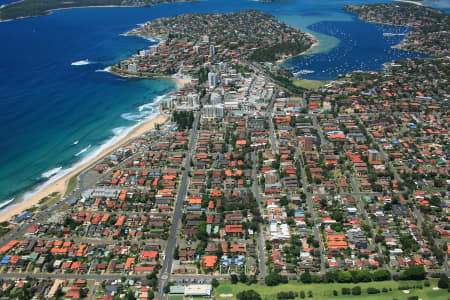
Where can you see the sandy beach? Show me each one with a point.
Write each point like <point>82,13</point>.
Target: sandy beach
<point>60,185</point>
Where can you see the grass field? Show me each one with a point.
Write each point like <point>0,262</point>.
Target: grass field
<point>72,184</point>
<point>309,84</point>
<point>295,100</point>
<point>177,297</point>
<point>325,290</point>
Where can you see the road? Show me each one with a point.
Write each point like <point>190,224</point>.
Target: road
<point>417,213</point>
<point>178,212</point>
<point>310,203</point>
<point>261,239</point>
<point>368,222</point>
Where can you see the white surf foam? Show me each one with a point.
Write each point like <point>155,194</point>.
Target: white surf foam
<point>134,116</point>
<point>51,172</point>
<point>119,133</point>
<point>6,203</point>
<point>83,150</point>
<point>148,106</point>
<point>118,130</point>
<point>82,62</point>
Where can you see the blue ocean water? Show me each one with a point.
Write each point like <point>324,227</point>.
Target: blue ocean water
<point>54,113</point>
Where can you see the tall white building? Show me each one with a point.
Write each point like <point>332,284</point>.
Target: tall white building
<point>132,68</point>
<point>193,99</point>
<point>212,79</point>
<point>213,111</point>
<point>212,50</point>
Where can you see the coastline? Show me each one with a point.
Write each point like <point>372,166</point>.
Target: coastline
<point>315,44</point>
<point>50,11</point>
<point>60,184</point>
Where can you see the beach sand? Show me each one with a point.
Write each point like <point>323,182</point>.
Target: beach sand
<point>181,82</point>
<point>60,185</point>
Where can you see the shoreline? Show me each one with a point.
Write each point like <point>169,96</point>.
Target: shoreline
<point>59,185</point>
<point>315,44</point>
<point>50,11</point>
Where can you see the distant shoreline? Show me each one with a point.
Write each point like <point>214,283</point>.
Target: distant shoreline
<point>50,11</point>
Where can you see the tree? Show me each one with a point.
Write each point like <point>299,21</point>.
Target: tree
<point>414,273</point>
<point>215,283</point>
<point>248,295</point>
<point>306,277</point>
<point>272,279</point>
<point>150,294</point>
<point>130,296</point>
<point>167,287</point>
<point>243,277</point>
<point>381,275</point>
<point>362,276</point>
<point>234,279</point>
<point>356,290</point>
<point>344,277</point>
<point>443,282</point>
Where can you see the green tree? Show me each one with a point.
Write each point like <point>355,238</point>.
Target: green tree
<point>234,279</point>
<point>381,275</point>
<point>356,290</point>
<point>344,277</point>
<point>130,296</point>
<point>248,295</point>
<point>215,283</point>
<point>306,277</point>
<point>443,282</point>
<point>414,273</point>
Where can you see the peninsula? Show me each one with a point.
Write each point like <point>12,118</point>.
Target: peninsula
<point>34,8</point>
<point>430,32</point>
<point>188,42</point>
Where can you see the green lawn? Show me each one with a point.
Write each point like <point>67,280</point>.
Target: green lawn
<point>325,290</point>
<point>295,100</point>
<point>72,184</point>
<point>177,297</point>
<point>309,84</point>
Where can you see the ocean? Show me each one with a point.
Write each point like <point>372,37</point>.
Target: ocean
<point>58,105</point>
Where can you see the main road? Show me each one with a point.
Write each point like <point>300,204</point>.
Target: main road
<point>178,212</point>
<point>261,240</point>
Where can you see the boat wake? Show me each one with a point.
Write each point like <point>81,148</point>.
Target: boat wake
<point>82,62</point>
